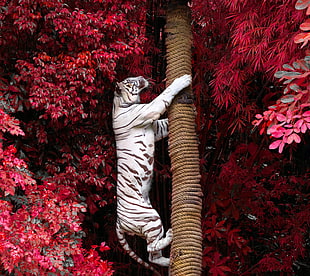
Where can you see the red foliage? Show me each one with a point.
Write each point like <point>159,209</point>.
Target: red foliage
<point>40,224</point>
<point>262,209</point>
<point>256,204</point>
<point>58,62</point>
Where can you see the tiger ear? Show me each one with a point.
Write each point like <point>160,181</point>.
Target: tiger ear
<point>118,88</point>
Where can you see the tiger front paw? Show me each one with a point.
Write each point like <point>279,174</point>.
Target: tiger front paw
<point>182,82</point>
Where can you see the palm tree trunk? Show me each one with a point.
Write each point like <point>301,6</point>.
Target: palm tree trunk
<point>186,247</point>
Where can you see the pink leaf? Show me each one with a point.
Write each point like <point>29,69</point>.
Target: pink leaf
<point>275,144</point>
<point>275,128</point>
<point>293,137</point>
<point>281,117</point>
<point>297,138</point>
<point>299,123</point>
<point>277,134</point>
<point>307,113</point>
<point>303,128</point>
<point>258,116</point>
<point>288,132</point>
<point>281,147</point>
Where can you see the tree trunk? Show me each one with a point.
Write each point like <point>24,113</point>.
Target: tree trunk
<point>186,247</point>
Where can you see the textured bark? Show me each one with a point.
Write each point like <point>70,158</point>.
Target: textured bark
<point>186,247</point>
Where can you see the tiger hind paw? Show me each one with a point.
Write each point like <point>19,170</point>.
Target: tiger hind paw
<point>157,258</point>
<point>169,235</point>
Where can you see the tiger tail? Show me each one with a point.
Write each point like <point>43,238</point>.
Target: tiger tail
<point>122,240</point>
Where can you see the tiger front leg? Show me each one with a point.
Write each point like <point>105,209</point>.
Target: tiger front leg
<point>180,83</point>
<point>153,110</point>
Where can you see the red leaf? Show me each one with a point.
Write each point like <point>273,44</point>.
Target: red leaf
<point>305,26</point>
<point>103,247</point>
<point>302,38</point>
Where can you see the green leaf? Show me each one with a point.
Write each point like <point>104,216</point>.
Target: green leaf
<point>295,87</point>
<point>302,4</point>
<point>287,99</point>
<point>289,67</point>
<point>282,74</point>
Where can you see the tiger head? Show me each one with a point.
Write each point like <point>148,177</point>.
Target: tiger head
<point>130,88</point>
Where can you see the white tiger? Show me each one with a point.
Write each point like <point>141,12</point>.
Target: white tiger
<point>136,128</point>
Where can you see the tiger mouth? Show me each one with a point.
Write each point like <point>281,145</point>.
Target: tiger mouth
<point>143,84</point>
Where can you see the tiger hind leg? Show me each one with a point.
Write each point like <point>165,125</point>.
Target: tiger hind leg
<point>159,243</point>
<point>154,248</point>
